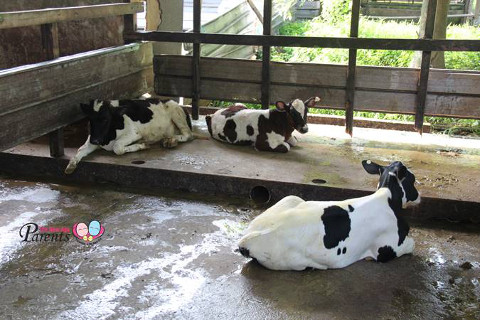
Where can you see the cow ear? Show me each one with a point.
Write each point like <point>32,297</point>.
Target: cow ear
<point>280,105</point>
<point>311,102</point>
<point>371,167</point>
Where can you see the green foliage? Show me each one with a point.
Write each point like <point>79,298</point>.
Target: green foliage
<point>336,26</point>
<point>371,29</point>
<point>334,11</point>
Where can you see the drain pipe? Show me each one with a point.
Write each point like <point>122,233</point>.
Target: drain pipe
<point>260,195</point>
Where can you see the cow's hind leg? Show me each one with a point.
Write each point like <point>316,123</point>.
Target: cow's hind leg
<point>179,118</point>
<point>83,151</point>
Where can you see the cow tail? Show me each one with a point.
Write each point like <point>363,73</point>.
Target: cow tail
<point>189,120</point>
<point>209,124</point>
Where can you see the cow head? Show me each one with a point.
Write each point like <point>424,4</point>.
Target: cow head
<point>398,179</point>
<point>298,110</point>
<point>100,116</point>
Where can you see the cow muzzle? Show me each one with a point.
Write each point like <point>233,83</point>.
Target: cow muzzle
<point>303,129</point>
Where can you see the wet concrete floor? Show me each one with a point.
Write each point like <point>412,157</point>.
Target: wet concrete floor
<point>171,256</point>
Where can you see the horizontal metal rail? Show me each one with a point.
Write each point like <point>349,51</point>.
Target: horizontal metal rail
<point>312,42</point>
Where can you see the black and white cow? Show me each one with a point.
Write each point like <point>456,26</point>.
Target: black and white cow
<point>267,130</point>
<point>295,234</point>
<point>130,125</point>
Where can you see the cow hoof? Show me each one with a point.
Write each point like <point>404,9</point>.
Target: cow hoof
<point>70,168</point>
<point>170,143</point>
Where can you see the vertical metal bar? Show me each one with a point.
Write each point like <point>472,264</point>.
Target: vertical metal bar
<point>351,71</point>
<point>267,30</point>
<point>197,10</point>
<point>425,68</point>
<point>51,51</point>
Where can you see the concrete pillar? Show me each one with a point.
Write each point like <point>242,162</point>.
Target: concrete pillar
<point>165,15</point>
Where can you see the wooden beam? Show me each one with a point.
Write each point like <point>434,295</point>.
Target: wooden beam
<point>310,42</point>
<point>425,67</point>
<point>51,51</point>
<point>44,16</point>
<point>378,89</point>
<point>56,88</point>
<point>352,66</point>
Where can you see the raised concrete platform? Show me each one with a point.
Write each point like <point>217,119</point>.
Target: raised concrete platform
<point>447,169</point>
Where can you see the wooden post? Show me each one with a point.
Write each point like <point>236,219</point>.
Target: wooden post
<point>267,30</point>
<point>129,23</point>
<point>352,65</point>
<point>51,51</point>
<point>422,86</point>
<point>197,11</point>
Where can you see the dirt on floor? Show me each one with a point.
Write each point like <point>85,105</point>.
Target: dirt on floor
<point>171,256</point>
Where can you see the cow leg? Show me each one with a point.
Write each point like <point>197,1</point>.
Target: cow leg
<point>83,151</point>
<point>180,121</point>
<point>124,144</point>
<point>265,146</point>
<point>388,250</point>
<point>292,141</point>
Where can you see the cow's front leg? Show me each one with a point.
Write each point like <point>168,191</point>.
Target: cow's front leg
<point>124,144</point>
<point>273,142</point>
<point>389,250</point>
<point>83,151</point>
<point>292,141</point>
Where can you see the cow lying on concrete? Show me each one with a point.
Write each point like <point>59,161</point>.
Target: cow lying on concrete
<point>130,125</point>
<point>267,130</point>
<point>295,234</point>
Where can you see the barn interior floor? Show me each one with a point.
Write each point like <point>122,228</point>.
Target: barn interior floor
<point>325,165</point>
<point>171,256</point>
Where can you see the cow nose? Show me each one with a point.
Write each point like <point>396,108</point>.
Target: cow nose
<point>304,129</point>
<point>95,141</point>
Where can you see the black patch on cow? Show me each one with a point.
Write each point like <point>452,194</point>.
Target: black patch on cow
<point>245,252</point>
<point>337,226</point>
<point>408,185</point>
<point>339,251</point>
<point>344,250</point>
<point>277,122</point>
<point>229,130</point>
<point>208,119</point>
<point>350,208</point>
<point>403,229</point>
<point>250,130</point>
<point>137,110</point>
<point>233,110</point>
<point>187,117</point>
<point>297,118</point>
<point>385,254</point>
<point>221,136</point>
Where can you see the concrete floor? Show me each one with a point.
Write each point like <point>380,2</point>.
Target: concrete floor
<point>171,256</point>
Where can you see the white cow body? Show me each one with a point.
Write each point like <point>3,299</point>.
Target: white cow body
<point>295,234</point>
<point>132,125</point>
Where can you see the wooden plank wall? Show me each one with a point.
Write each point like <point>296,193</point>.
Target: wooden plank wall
<point>378,89</point>
<point>43,97</point>
<point>20,46</point>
